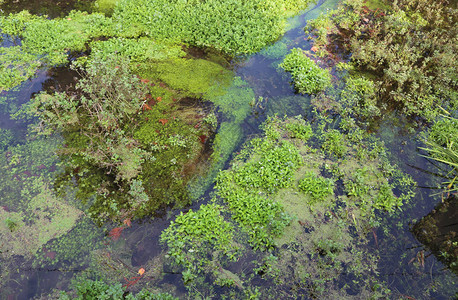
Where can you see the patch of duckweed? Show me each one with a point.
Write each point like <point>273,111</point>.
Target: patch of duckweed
<point>71,249</point>
<point>23,170</point>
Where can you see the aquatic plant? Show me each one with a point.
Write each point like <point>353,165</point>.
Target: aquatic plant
<point>442,145</point>
<point>264,194</point>
<point>105,6</point>
<point>317,187</point>
<point>233,26</point>
<point>275,51</point>
<point>6,137</point>
<point>389,45</point>
<point>111,98</point>
<point>84,288</point>
<point>36,49</point>
<point>136,49</point>
<point>307,76</point>
<point>200,240</point>
<point>192,77</point>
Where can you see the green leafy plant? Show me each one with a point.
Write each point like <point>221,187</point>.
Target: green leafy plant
<point>333,143</point>
<point>196,236</point>
<point>299,129</point>
<point>442,145</point>
<point>84,288</point>
<point>233,26</point>
<point>307,76</point>
<point>317,187</point>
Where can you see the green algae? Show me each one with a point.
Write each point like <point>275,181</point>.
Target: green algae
<point>234,103</point>
<point>194,77</point>
<point>44,219</point>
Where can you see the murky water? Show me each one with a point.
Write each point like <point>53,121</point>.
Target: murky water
<point>139,245</point>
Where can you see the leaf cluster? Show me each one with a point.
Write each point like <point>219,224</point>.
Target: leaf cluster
<point>233,26</point>
<point>97,289</point>
<point>316,186</point>
<point>197,237</point>
<point>307,76</point>
<point>442,145</point>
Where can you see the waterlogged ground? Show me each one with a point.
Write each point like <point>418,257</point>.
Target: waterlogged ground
<point>48,240</point>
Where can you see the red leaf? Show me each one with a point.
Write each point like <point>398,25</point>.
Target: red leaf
<point>163,121</point>
<point>203,138</point>
<point>146,107</point>
<point>115,233</point>
<point>127,222</point>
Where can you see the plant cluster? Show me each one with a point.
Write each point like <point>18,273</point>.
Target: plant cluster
<point>269,207</point>
<point>299,129</point>
<point>149,29</point>
<point>307,76</point>
<point>246,189</point>
<point>442,145</point>
<point>317,187</point>
<point>199,239</point>
<point>110,99</point>
<point>233,26</point>
<point>333,143</point>
<point>72,33</point>
<point>98,289</point>
<point>119,139</point>
<point>410,47</point>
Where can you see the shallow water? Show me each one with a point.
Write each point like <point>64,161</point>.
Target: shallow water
<point>139,243</point>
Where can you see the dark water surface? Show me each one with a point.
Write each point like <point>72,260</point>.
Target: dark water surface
<point>399,248</point>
